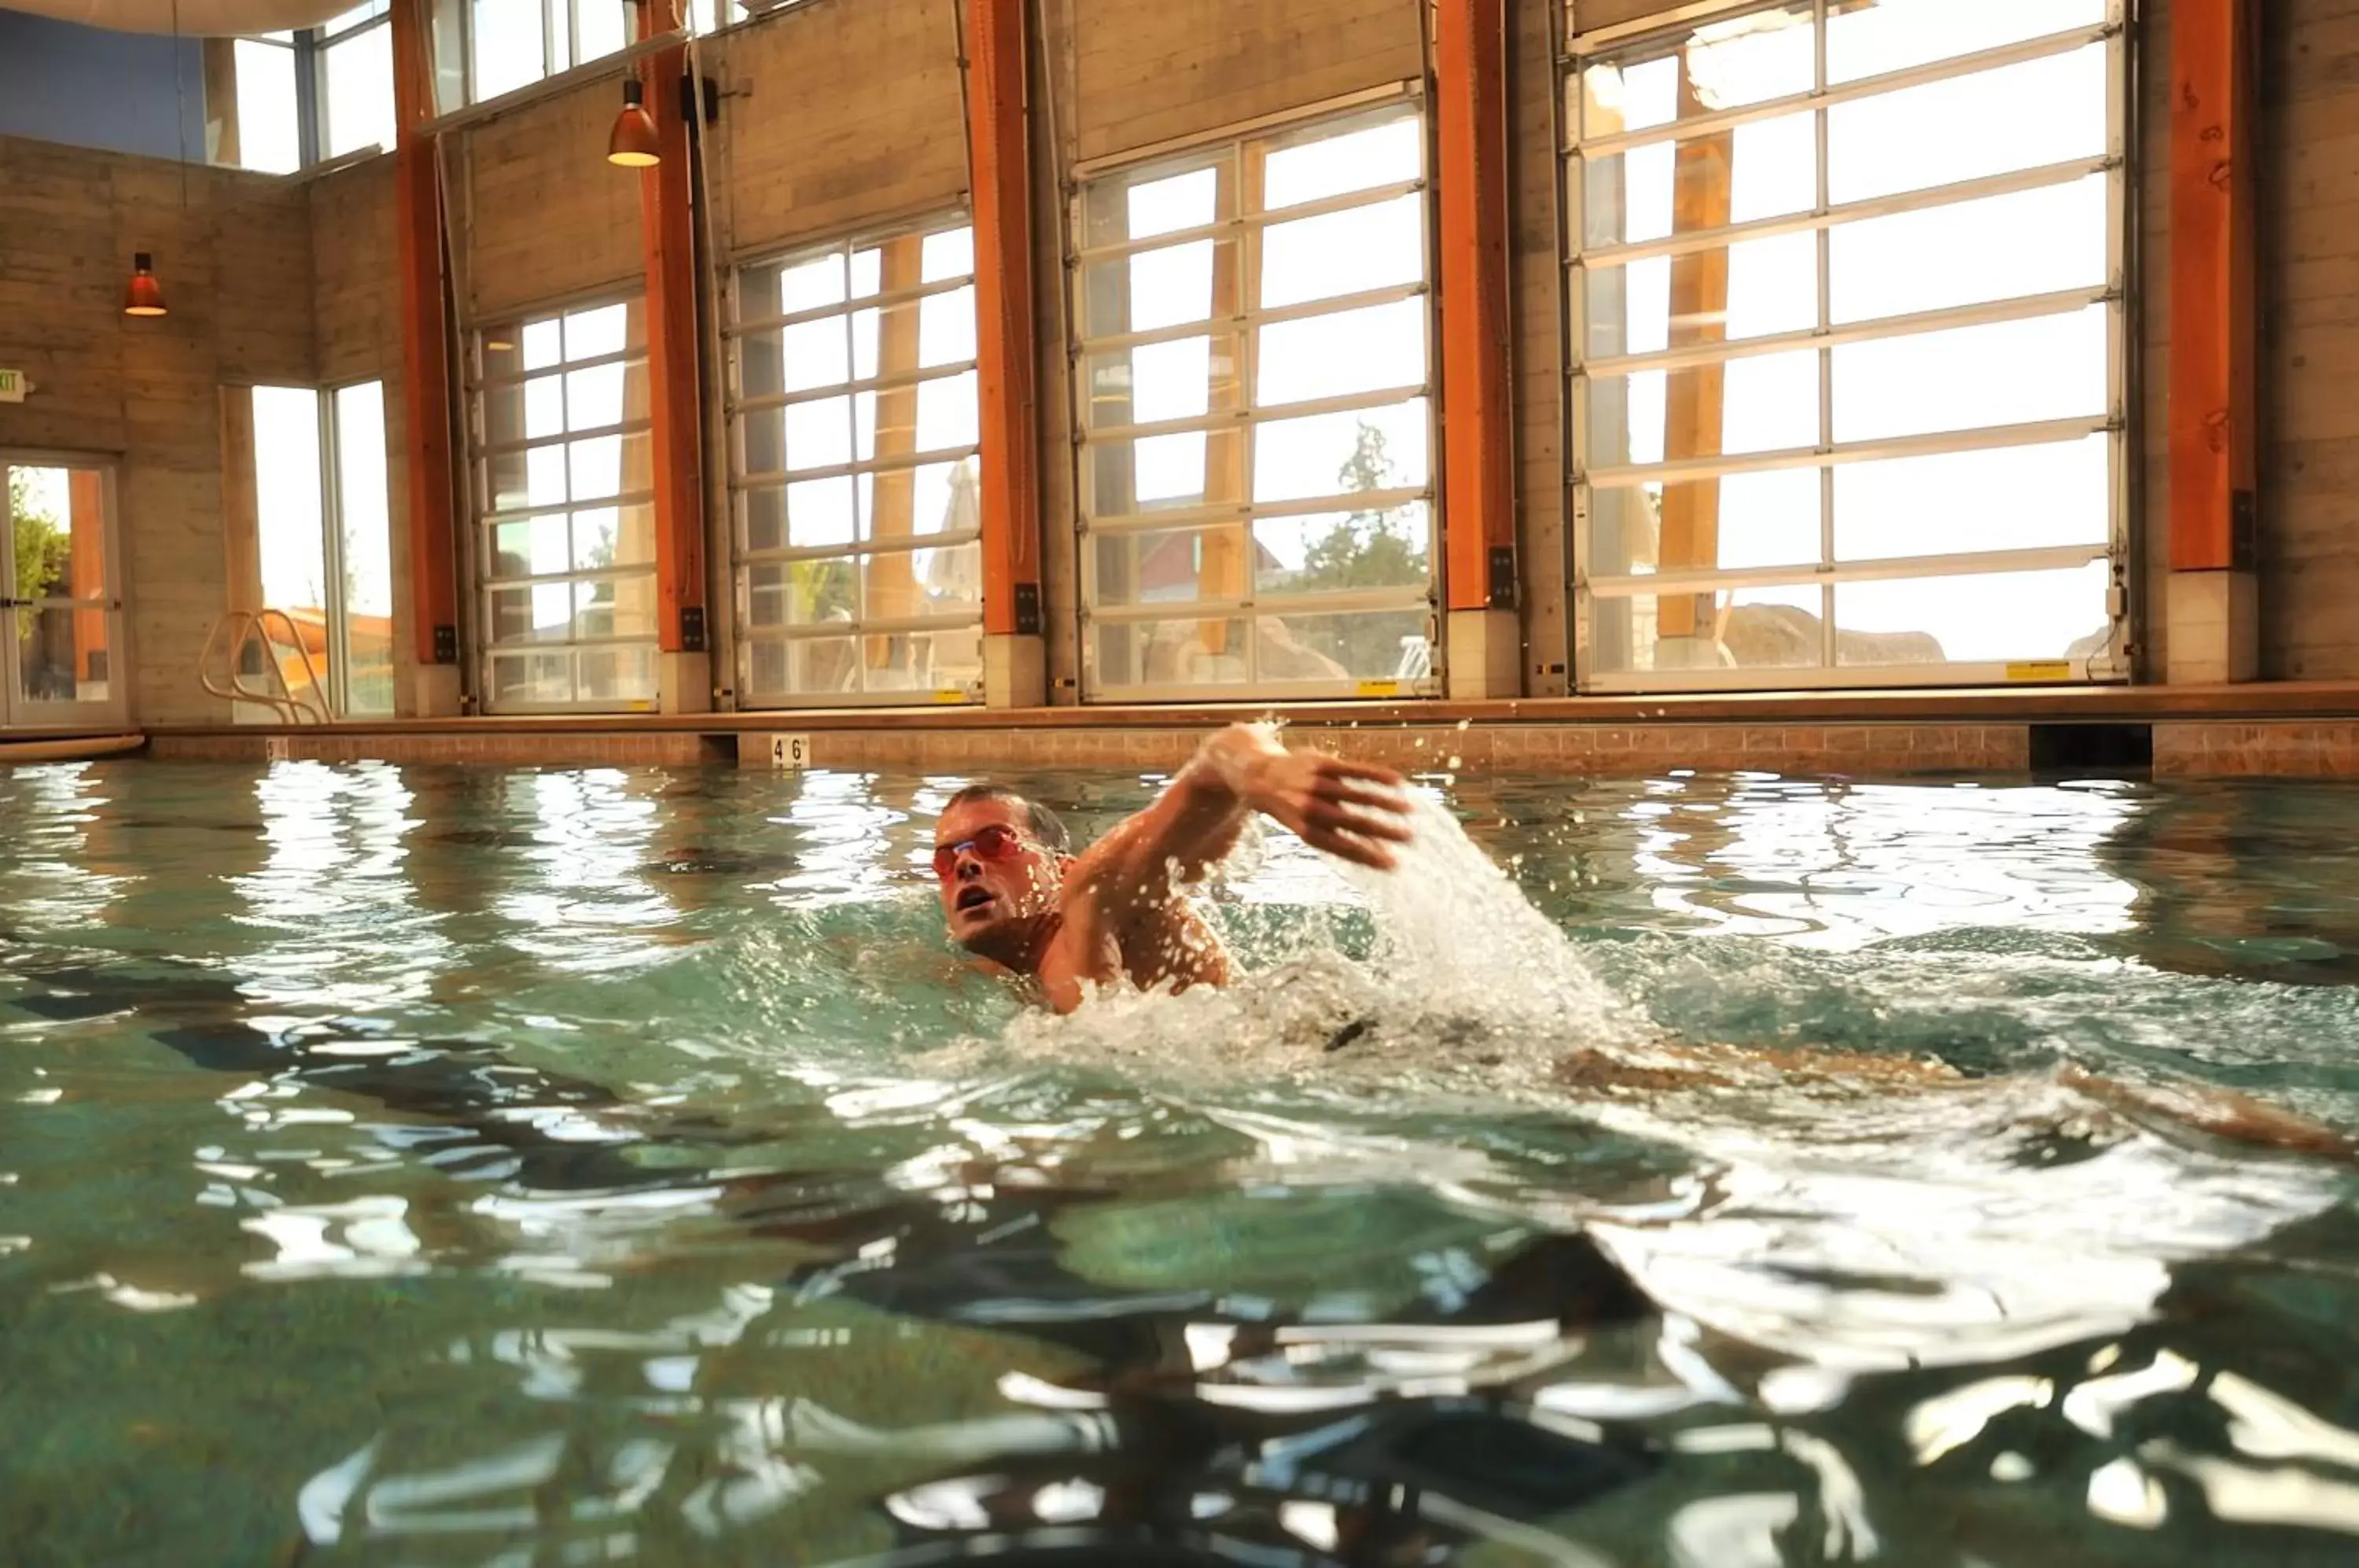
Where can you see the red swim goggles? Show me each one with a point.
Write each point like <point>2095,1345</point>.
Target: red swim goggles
<point>992,841</point>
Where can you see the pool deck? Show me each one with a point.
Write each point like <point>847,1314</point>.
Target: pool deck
<point>2291,729</point>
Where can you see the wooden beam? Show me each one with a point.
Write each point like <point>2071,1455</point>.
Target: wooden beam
<point>2212,453</point>
<point>425,340</point>
<point>220,60</point>
<point>891,589</point>
<point>1220,567</point>
<point>998,144</point>
<point>1694,401</point>
<point>1478,501</point>
<point>676,430</point>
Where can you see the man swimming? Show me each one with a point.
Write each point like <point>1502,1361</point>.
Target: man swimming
<point>1014,894</point>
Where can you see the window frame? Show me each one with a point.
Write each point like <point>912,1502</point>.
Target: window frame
<point>1243,326</point>
<point>316,43</point>
<point>472,91</point>
<point>336,684</point>
<point>307,100</point>
<point>2112,293</point>
<point>742,480</point>
<point>311,46</point>
<point>332,518</point>
<point>484,520</point>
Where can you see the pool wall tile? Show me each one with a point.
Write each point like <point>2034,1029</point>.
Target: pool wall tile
<point>2256,751</point>
<point>2307,748</point>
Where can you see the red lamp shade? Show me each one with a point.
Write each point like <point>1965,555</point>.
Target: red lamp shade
<point>146,296</point>
<point>632,143</point>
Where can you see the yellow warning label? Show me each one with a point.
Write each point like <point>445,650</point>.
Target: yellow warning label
<point>1379,689</point>
<point>2041,669</point>
<point>949,695</point>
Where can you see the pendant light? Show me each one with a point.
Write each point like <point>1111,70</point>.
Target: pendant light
<point>146,296</point>
<point>632,143</point>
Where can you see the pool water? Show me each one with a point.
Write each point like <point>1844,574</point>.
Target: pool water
<point>406,1165</point>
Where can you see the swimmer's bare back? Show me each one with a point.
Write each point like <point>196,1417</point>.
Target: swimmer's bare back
<point>1668,1067</point>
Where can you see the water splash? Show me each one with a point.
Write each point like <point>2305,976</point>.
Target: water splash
<point>1465,986</point>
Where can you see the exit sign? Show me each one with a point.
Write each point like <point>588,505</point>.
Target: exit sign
<point>12,386</point>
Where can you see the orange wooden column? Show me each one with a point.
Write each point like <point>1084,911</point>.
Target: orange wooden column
<point>1694,401</point>
<point>892,589</point>
<point>1222,572</point>
<point>676,430</point>
<point>1001,179</point>
<point>1478,517</point>
<point>426,357</point>
<point>2213,317</point>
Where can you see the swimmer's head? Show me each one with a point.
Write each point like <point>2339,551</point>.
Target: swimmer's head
<point>1000,860</point>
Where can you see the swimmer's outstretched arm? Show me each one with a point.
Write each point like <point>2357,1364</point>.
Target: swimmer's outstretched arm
<point>1351,809</point>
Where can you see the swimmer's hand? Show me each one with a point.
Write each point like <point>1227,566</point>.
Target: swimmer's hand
<point>1351,809</point>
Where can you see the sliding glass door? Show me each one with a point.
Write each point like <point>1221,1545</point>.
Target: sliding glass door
<point>60,655</point>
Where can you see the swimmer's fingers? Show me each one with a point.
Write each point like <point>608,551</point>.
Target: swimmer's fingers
<point>1343,846</point>
<point>1354,793</point>
<point>1356,836</point>
<point>1365,824</point>
<point>1369,772</point>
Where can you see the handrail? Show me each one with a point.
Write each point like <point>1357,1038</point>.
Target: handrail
<point>253,626</point>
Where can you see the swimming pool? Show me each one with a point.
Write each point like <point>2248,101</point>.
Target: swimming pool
<point>434,1165</point>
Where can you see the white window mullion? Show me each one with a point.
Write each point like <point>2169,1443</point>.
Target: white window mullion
<point>1823,247</point>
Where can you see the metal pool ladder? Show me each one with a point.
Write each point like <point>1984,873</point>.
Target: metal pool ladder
<point>240,629</point>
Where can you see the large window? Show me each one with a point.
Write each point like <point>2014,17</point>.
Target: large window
<point>853,468</point>
<point>1845,303</point>
<point>271,135</point>
<point>304,97</point>
<point>565,514</point>
<point>1257,509</point>
<point>511,44</point>
<point>353,59</point>
<point>324,533</point>
<point>514,43</point>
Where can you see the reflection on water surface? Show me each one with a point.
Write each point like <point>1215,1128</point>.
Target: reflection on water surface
<point>419,1165</point>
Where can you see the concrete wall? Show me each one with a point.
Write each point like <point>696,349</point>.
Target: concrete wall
<point>839,116</point>
<point>136,93</point>
<point>2308,257</point>
<point>1543,511</point>
<point>236,264</point>
<point>1146,72</point>
<point>2310,340</point>
<point>542,215</point>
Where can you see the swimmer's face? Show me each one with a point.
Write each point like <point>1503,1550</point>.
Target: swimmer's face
<point>998,877</point>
